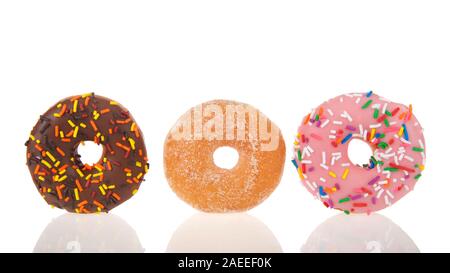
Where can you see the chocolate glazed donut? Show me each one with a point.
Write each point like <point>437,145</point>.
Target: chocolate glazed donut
<point>55,165</point>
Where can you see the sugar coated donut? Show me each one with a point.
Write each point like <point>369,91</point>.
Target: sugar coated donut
<point>322,161</point>
<point>189,164</point>
<point>55,165</point>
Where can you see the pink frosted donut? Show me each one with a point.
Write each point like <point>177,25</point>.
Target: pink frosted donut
<point>391,130</point>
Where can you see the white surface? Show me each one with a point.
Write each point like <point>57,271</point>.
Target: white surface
<point>226,157</point>
<point>159,58</point>
<point>359,152</point>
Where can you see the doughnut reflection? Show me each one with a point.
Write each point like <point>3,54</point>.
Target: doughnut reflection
<point>359,234</point>
<point>226,233</point>
<point>88,233</point>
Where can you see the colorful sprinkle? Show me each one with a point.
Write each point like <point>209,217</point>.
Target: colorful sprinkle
<point>392,168</point>
<point>367,104</point>
<point>374,180</point>
<point>347,138</point>
<point>345,174</point>
<point>376,113</point>
<point>405,132</point>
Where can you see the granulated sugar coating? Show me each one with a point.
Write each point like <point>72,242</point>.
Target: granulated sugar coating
<point>189,149</point>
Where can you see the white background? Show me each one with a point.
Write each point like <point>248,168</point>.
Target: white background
<point>159,58</point>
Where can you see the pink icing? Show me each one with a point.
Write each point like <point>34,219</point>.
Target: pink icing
<point>326,170</point>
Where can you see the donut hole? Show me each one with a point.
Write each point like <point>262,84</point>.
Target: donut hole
<point>89,152</point>
<point>359,152</point>
<point>226,157</point>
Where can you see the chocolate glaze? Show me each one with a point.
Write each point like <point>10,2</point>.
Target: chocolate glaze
<point>55,165</point>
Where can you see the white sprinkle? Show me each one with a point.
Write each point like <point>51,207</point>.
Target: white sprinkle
<point>337,122</point>
<point>409,158</point>
<point>347,116</point>
<point>305,151</point>
<point>374,126</point>
<point>325,123</point>
<point>386,200</point>
<point>421,144</point>
<point>396,160</point>
<point>390,194</point>
<point>306,162</point>
<point>358,100</point>
<point>313,111</point>
<point>380,193</point>
<point>386,156</point>
<point>405,141</point>
<point>324,166</point>
<point>384,108</point>
<point>309,185</point>
<point>324,158</point>
<point>322,180</point>
<point>330,112</point>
